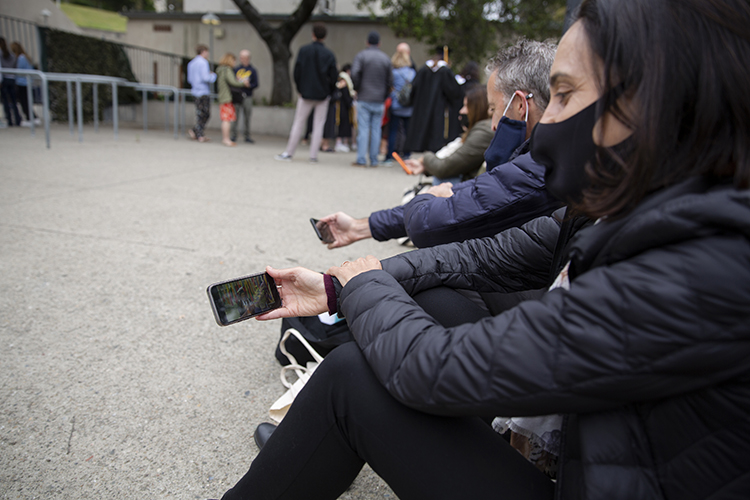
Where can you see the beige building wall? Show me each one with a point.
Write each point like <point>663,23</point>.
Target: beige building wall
<point>328,7</point>
<point>345,38</point>
<point>31,10</point>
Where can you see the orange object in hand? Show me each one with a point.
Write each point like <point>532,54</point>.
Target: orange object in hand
<point>397,157</point>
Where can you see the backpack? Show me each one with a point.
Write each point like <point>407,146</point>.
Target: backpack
<point>404,95</point>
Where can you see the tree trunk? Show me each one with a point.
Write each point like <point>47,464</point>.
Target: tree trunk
<point>278,40</point>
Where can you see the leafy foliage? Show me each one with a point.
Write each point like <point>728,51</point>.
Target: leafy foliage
<point>278,39</point>
<point>472,28</point>
<point>70,53</point>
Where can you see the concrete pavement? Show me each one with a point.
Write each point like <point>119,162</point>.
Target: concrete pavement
<point>115,381</point>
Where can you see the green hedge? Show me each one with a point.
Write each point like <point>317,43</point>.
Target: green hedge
<point>70,53</point>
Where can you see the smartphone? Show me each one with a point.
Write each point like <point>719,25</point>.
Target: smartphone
<point>243,298</point>
<point>322,230</point>
<point>400,161</point>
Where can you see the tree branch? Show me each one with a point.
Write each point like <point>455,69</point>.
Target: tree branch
<point>299,17</point>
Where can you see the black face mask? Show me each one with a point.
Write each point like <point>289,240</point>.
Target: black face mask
<point>463,119</point>
<point>565,148</point>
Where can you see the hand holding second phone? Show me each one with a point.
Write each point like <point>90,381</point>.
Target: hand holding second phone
<point>302,293</point>
<point>444,190</point>
<point>348,270</point>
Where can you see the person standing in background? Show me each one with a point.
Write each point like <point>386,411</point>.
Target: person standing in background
<point>372,77</point>
<point>403,73</point>
<point>315,77</point>
<point>346,109</point>
<point>244,95</point>
<point>8,86</point>
<point>435,91</point>
<point>22,62</point>
<point>199,76</point>
<point>225,81</point>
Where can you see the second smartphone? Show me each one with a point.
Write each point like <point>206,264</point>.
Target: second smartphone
<point>322,231</point>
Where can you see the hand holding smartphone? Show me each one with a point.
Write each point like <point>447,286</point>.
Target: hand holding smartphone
<point>243,298</point>
<point>322,231</point>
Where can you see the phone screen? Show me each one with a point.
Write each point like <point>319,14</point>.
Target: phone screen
<point>322,230</point>
<point>243,298</point>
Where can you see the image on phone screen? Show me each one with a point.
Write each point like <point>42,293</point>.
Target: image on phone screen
<point>322,231</point>
<point>243,298</point>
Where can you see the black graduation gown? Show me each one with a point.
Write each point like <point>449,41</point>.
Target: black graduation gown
<point>432,93</point>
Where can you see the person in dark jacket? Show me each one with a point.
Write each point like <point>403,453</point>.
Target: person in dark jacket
<point>643,345</point>
<point>510,193</point>
<point>243,97</point>
<point>315,76</point>
<point>434,91</point>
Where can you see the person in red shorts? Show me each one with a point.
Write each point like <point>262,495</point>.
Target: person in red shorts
<point>224,78</point>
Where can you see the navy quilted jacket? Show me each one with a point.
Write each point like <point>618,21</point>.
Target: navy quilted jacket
<point>507,196</point>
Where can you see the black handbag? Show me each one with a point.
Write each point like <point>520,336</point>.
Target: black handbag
<point>322,337</point>
<point>237,95</point>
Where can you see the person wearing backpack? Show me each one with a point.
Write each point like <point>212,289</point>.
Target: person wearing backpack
<point>401,108</point>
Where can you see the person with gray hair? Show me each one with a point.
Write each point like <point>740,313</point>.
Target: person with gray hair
<point>509,194</point>
<point>242,98</point>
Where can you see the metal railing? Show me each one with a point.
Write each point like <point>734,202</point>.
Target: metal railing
<point>71,79</point>
<point>149,66</point>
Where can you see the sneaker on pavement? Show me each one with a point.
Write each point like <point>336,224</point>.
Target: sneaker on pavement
<point>249,140</point>
<point>283,157</point>
<point>313,160</point>
<point>342,148</point>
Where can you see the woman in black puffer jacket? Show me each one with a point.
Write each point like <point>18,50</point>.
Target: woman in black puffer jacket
<point>644,342</point>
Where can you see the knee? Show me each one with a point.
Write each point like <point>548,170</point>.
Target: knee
<point>346,362</point>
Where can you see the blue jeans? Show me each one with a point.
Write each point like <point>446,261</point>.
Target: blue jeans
<point>369,118</point>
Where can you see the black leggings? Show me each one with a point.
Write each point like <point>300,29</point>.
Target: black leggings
<point>345,417</point>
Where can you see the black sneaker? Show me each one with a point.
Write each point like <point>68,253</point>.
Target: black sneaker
<point>249,140</point>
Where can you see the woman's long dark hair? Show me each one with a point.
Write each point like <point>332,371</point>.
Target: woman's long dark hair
<point>4,47</point>
<point>685,65</point>
<point>477,105</point>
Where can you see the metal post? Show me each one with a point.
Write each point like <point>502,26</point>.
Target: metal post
<point>210,46</point>
<point>145,111</point>
<point>79,104</point>
<point>30,100</point>
<point>166,112</point>
<point>45,107</point>
<point>182,113</point>
<point>175,103</point>
<point>115,108</point>
<point>96,106</point>
<point>69,87</point>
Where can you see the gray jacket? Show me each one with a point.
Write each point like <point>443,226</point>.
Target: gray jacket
<point>372,75</point>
